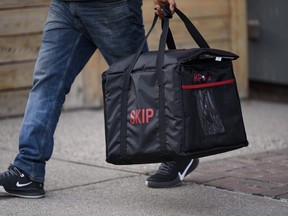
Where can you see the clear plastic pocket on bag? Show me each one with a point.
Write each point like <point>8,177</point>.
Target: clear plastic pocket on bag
<point>209,116</point>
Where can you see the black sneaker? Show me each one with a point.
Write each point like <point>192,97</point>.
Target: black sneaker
<point>171,174</point>
<point>16,183</point>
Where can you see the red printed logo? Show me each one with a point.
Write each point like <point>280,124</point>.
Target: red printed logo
<point>141,116</point>
<point>200,78</point>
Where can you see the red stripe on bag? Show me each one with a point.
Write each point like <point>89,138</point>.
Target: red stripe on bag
<point>208,84</point>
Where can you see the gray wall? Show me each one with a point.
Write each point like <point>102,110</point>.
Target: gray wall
<point>268,53</point>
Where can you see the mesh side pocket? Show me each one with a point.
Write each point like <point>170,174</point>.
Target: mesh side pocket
<point>208,114</point>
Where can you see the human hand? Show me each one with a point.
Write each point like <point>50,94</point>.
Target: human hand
<point>159,5</point>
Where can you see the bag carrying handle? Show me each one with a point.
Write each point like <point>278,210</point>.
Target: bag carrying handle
<point>195,34</point>
<point>201,42</point>
<point>159,69</point>
<point>189,26</point>
<point>166,36</point>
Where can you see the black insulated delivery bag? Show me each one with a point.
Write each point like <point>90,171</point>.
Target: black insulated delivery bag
<point>167,105</point>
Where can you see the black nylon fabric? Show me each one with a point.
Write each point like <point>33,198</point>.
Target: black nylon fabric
<point>184,136</point>
<point>202,112</point>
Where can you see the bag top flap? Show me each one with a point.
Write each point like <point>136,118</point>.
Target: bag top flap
<point>148,59</point>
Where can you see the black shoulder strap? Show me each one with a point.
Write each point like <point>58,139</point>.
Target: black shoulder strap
<point>199,39</point>
<point>166,36</point>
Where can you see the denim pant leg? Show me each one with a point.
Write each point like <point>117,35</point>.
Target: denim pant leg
<point>116,28</point>
<point>63,53</point>
<point>113,26</point>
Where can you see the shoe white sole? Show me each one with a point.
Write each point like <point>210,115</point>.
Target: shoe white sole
<point>2,190</point>
<point>176,182</point>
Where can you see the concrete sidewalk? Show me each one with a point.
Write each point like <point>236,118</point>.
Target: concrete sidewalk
<point>80,182</point>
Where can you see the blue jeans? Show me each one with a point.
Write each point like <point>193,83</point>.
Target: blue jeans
<point>72,33</point>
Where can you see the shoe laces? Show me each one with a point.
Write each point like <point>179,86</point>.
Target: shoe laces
<point>12,170</point>
<point>167,167</point>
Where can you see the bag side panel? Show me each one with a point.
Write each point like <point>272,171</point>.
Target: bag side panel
<point>112,109</point>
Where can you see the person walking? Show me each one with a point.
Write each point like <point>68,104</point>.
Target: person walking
<point>74,29</point>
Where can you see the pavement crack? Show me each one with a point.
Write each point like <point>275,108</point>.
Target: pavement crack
<point>97,166</point>
<point>92,183</point>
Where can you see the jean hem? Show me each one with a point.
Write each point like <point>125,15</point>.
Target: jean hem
<point>29,172</point>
